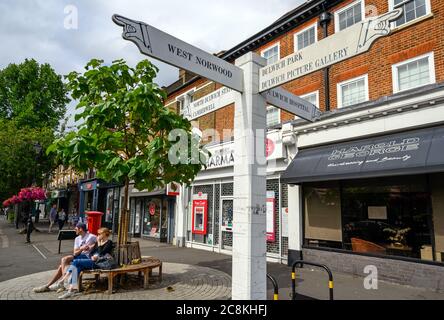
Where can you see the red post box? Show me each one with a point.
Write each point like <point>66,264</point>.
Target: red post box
<point>94,221</point>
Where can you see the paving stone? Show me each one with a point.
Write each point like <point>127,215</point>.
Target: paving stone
<point>189,282</point>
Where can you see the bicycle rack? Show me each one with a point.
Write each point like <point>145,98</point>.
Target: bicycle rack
<point>301,263</point>
<point>275,286</point>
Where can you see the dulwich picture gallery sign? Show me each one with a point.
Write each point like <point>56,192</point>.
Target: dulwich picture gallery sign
<point>343,45</point>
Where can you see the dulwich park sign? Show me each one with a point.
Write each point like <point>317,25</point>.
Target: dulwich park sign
<point>343,45</point>
<point>250,97</point>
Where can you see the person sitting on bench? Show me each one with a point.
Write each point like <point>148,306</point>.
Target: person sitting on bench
<point>101,258</point>
<point>83,245</point>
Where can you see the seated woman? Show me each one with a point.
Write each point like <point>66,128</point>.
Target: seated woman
<point>101,258</point>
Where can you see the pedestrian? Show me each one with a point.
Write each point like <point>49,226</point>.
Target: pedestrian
<point>52,216</point>
<point>84,243</point>
<point>29,228</point>
<point>61,218</point>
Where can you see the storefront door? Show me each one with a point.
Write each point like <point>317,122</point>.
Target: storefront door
<point>226,223</point>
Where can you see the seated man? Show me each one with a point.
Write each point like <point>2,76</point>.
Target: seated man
<point>84,243</point>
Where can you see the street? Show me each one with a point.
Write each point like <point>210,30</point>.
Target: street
<point>18,259</point>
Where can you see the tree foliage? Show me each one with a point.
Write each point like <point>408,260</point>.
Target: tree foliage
<point>19,163</point>
<point>33,100</point>
<point>32,94</point>
<point>124,128</point>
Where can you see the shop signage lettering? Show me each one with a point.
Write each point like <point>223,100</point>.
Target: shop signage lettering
<point>405,145</point>
<point>221,158</point>
<point>343,45</point>
<point>166,48</point>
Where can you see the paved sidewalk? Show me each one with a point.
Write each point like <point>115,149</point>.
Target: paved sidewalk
<point>21,259</point>
<point>179,282</point>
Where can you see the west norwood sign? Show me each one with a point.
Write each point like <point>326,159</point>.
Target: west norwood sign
<point>343,45</point>
<point>164,47</point>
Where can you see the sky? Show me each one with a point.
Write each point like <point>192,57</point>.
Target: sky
<point>67,34</point>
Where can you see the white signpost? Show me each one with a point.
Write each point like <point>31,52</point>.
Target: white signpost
<point>343,45</point>
<point>166,48</point>
<point>249,77</point>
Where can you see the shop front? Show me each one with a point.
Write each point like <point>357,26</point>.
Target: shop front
<point>152,215</point>
<point>379,197</point>
<point>209,206</point>
<point>97,195</point>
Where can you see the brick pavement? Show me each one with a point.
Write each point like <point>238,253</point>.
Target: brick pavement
<point>188,282</point>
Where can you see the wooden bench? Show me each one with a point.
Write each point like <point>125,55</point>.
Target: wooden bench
<point>130,261</point>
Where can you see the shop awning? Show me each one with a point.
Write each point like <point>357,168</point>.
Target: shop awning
<point>406,153</point>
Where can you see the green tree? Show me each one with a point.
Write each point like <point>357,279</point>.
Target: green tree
<point>124,132</point>
<point>33,100</point>
<point>20,166</point>
<point>32,94</point>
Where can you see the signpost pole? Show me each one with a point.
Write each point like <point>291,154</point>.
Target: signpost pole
<point>249,219</point>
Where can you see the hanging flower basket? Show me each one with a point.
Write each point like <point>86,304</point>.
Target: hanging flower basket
<point>26,194</point>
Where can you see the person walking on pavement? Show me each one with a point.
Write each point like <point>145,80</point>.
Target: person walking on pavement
<point>52,216</point>
<point>29,228</point>
<point>61,218</point>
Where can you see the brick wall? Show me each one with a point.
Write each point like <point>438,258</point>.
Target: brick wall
<point>405,43</point>
<point>396,271</point>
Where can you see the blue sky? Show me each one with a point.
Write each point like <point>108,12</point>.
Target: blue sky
<point>37,29</point>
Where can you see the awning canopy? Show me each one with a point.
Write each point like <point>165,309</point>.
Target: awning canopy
<point>406,153</point>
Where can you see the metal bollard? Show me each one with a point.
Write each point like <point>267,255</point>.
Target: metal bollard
<point>293,277</point>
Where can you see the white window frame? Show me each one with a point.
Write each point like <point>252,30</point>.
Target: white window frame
<point>432,71</point>
<point>278,45</point>
<point>337,13</point>
<point>295,37</point>
<point>428,12</point>
<point>312,93</point>
<point>339,89</point>
<point>279,115</point>
<point>309,94</point>
<point>183,97</point>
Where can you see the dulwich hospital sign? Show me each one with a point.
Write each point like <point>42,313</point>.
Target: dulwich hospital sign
<point>343,45</point>
<point>277,97</point>
<point>166,48</point>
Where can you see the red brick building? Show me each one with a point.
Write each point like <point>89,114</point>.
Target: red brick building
<point>384,108</point>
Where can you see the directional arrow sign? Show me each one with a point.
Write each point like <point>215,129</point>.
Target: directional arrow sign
<point>166,48</point>
<point>338,47</point>
<point>290,102</point>
<point>209,103</point>
<point>277,97</point>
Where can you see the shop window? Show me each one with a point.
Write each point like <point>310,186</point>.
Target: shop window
<point>350,15</point>
<point>353,91</point>
<point>271,54</point>
<point>412,10</point>
<point>414,73</point>
<point>305,37</point>
<point>390,216</point>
